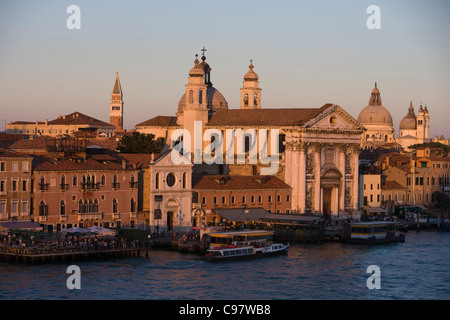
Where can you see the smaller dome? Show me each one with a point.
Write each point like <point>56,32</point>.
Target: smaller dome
<point>421,111</point>
<point>409,121</point>
<point>251,75</point>
<point>197,70</point>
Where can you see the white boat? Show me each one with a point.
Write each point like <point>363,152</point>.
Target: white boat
<point>240,251</point>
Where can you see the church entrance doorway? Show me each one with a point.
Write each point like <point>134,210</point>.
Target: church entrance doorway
<point>169,220</point>
<point>327,202</point>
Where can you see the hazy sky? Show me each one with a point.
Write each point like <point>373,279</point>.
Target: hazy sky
<point>307,53</point>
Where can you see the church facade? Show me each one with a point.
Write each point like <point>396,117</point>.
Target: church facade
<point>316,149</point>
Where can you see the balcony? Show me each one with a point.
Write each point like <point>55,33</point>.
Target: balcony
<point>43,187</point>
<point>89,186</point>
<point>133,185</point>
<point>90,216</point>
<point>116,185</point>
<point>63,187</point>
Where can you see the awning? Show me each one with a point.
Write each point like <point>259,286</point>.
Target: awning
<point>375,210</point>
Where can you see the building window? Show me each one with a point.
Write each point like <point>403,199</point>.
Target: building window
<point>170,179</point>
<point>215,200</point>
<point>132,205</point>
<point>269,199</point>
<point>74,180</point>
<point>14,185</point>
<point>80,206</point>
<point>233,201</point>
<point>259,199</point>
<point>184,180</point>
<point>103,180</point>
<point>3,185</point>
<point>223,200</point>
<point>2,206</point>
<point>14,206</point>
<point>288,198</point>
<point>24,206</point>
<point>24,185</point>
<point>252,199</point>
<point>24,166</point>
<point>157,180</point>
<point>203,200</point>
<point>62,208</point>
<point>115,205</point>
<point>2,166</point>
<point>278,198</point>
<point>243,199</point>
<point>15,166</point>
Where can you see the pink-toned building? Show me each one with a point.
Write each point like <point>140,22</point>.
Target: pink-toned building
<point>213,192</point>
<point>101,190</point>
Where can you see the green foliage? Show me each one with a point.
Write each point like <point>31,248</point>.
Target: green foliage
<point>140,143</point>
<point>445,148</point>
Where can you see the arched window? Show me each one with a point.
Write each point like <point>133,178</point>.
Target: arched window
<point>91,205</point>
<point>74,180</point>
<point>85,206</point>
<point>95,209</point>
<point>43,208</point>
<point>184,180</point>
<point>246,100</point>
<point>80,206</point>
<point>62,208</point>
<point>157,177</point>
<point>114,205</point>
<point>191,96</point>
<point>200,96</point>
<point>103,180</point>
<point>132,205</point>
<point>255,99</point>
<point>63,179</point>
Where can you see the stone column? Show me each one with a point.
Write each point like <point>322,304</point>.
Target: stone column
<point>302,178</point>
<point>316,191</point>
<point>355,173</point>
<point>294,173</point>
<point>342,180</point>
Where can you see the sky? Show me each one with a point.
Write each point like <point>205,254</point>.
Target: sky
<point>306,53</point>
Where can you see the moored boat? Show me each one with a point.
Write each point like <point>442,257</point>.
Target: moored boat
<point>238,251</point>
<point>376,232</point>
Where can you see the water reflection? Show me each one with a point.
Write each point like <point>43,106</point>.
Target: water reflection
<point>416,269</point>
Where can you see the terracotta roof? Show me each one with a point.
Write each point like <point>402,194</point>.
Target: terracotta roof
<point>265,117</point>
<point>159,121</point>
<point>223,182</point>
<point>141,160</point>
<point>12,154</point>
<point>392,185</point>
<point>49,162</point>
<point>78,118</point>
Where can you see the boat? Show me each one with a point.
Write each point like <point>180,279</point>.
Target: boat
<point>219,238</point>
<point>376,232</point>
<point>242,251</point>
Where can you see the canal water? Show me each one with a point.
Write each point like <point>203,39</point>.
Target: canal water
<point>416,269</point>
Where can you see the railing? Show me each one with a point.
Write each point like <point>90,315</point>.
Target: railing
<point>63,186</point>
<point>43,186</point>
<point>90,216</point>
<point>90,186</point>
<point>115,185</point>
<point>133,185</point>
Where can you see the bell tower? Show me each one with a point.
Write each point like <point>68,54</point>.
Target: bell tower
<point>116,104</point>
<point>250,91</point>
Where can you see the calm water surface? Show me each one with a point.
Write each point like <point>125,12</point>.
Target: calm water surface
<point>416,269</point>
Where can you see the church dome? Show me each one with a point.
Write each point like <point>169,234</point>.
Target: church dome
<point>409,121</point>
<point>375,112</point>
<point>197,70</point>
<point>215,100</point>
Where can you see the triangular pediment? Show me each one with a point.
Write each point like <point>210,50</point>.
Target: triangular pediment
<point>165,160</point>
<point>334,118</point>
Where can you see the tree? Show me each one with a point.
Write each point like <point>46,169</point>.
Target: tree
<point>140,143</point>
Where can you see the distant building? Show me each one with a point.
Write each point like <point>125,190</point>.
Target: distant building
<point>214,192</point>
<point>414,129</point>
<point>64,125</point>
<point>15,185</point>
<point>116,104</point>
<point>100,191</point>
